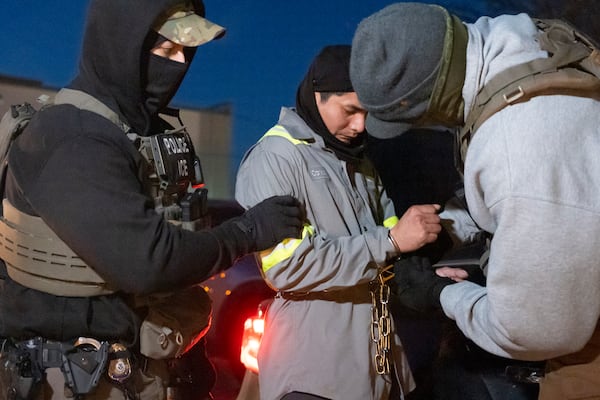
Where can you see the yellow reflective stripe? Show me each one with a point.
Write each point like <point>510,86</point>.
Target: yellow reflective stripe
<point>284,250</point>
<point>391,221</point>
<point>280,131</point>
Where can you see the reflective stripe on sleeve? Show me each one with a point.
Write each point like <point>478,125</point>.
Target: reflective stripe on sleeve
<point>280,131</point>
<point>390,222</point>
<point>284,250</point>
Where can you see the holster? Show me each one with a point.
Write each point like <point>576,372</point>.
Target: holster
<point>83,366</point>
<point>23,366</point>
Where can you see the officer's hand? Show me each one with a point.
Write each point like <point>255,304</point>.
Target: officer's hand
<point>470,272</point>
<point>418,226</point>
<point>418,286</point>
<point>274,219</point>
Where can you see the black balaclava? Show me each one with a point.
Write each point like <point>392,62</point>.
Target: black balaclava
<point>115,61</point>
<point>163,77</point>
<point>329,72</point>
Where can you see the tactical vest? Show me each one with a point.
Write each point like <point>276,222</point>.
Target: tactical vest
<point>572,68</point>
<point>37,258</point>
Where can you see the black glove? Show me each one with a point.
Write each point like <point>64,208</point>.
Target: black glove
<point>418,286</point>
<point>272,220</point>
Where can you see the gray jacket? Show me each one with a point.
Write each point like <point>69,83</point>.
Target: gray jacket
<point>532,179</point>
<point>318,335</point>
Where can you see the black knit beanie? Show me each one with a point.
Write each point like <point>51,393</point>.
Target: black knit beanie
<point>329,72</point>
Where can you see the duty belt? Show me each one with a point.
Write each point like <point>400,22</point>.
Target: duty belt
<point>355,294</point>
<point>82,363</point>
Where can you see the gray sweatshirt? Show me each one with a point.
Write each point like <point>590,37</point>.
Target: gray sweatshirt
<point>532,179</point>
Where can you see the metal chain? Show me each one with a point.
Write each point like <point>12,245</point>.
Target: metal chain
<point>381,322</point>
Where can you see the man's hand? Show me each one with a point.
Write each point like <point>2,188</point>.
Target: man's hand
<point>418,285</point>
<point>471,273</point>
<point>456,274</point>
<point>272,220</point>
<point>418,226</point>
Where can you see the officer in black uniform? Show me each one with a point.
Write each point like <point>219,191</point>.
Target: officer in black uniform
<point>101,203</point>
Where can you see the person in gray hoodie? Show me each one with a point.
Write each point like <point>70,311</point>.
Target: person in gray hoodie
<point>531,181</point>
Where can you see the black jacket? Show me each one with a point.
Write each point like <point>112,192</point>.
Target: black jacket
<point>82,175</point>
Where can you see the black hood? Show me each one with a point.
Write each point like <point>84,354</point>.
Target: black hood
<point>115,53</point>
<point>329,72</point>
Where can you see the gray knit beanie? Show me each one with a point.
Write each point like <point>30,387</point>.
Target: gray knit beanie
<point>396,56</point>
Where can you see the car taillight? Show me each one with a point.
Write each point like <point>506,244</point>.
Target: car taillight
<point>254,328</point>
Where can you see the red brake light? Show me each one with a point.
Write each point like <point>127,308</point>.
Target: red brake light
<point>253,331</point>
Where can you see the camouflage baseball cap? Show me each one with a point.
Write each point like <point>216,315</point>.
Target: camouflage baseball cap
<point>189,29</point>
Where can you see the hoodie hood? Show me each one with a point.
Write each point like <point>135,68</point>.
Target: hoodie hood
<point>115,54</point>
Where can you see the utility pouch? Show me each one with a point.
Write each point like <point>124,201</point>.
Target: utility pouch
<point>174,322</point>
<point>17,379</point>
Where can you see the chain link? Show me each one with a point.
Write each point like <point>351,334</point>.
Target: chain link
<point>381,322</point>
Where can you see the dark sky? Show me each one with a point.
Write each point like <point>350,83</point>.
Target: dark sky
<point>255,68</point>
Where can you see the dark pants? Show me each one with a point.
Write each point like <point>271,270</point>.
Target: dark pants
<point>463,371</point>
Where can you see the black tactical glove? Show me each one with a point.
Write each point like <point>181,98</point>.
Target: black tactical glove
<point>418,286</point>
<point>272,220</point>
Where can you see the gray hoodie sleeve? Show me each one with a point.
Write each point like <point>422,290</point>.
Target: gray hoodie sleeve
<point>536,191</point>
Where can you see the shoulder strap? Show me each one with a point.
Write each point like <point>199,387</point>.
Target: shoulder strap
<point>13,122</point>
<point>87,102</point>
<point>572,68</point>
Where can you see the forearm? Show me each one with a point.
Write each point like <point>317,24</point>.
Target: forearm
<point>320,263</point>
<point>458,223</point>
<point>541,295</point>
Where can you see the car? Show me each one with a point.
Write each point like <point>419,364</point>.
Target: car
<point>236,294</point>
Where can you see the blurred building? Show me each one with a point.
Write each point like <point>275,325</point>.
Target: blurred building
<point>210,129</point>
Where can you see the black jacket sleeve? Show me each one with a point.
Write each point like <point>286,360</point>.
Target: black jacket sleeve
<point>88,186</point>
